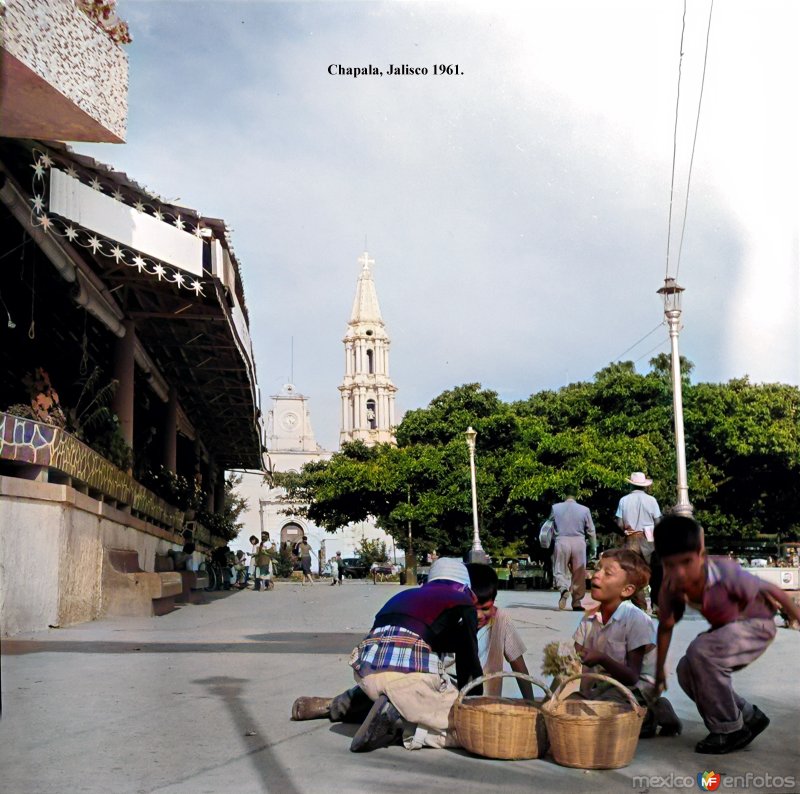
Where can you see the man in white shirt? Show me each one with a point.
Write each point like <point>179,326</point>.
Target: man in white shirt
<point>637,515</point>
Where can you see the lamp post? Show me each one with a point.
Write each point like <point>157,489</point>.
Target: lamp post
<point>476,554</point>
<point>671,293</point>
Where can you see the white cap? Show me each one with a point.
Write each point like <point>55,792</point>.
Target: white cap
<point>450,568</point>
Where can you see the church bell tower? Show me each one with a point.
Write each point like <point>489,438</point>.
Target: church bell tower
<point>367,391</point>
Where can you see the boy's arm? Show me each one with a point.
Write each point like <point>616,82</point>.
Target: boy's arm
<point>663,639</point>
<point>518,666</point>
<point>774,593</point>
<point>627,672</point>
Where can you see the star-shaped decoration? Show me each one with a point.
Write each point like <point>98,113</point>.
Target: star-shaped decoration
<point>179,224</point>
<point>95,184</point>
<point>139,206</point>
<point>95,244</point>
<point>38,169</point>
<point>72,172</point>
<point>198,231</point>
<point>159,216</point>
<point>45,222</point>
<point>71,233</point>
<point>197,287</point>
<point>46,161</point>
<point>139,263</point>
<point>159,271</point>
<point>117,253</point>
<point>178,279</point>
<point>38,204</point>
<point>118,195</point>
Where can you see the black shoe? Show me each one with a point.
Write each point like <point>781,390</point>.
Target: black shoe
<point>666,718</point>
<point>648,729</point>
<point>721,743</point>
<point>382,727</point>
<point>757,723</point>
<point>578,608</point>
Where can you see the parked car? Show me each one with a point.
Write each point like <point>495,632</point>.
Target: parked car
<point>354,568</point>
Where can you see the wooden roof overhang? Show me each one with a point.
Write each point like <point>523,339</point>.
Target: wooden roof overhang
<point>192,326</point>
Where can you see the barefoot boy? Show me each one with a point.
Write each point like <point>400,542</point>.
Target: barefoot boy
<point>741,610</point>
<point>618,639</point>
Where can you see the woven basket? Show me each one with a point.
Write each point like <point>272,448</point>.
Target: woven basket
<point>593,734</point>
<point>498,727</point>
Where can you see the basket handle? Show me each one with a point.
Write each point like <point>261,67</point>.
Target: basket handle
<point>607,679</point>
<point>472,684</point>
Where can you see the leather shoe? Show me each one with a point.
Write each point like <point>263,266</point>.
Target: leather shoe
<point>756,724</point>
<point>721,743</point>
<point>310,708</point>
<point>382,727</point>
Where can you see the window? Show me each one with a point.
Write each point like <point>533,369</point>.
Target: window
<point>372,417</point>
<point>370,362</point>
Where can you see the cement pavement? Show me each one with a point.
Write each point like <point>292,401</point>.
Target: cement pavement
<point>199,700</point>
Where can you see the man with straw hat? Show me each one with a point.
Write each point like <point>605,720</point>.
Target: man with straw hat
<point>637,515</point>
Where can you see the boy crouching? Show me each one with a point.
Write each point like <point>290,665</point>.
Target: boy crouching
<point>619,638</point>
<point>741,610</point>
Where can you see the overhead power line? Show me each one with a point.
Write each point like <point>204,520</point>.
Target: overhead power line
<point>638,342</point>
<point>694,141</point>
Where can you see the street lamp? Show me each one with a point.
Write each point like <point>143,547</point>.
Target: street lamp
<point>671,293</point>
<point>476,554</point>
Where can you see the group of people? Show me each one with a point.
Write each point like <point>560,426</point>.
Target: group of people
<point>573,529</point>
<point>404,693</point>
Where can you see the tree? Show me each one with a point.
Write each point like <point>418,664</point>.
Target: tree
<point>742,448</point>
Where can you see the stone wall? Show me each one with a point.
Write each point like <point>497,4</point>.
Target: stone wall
<point>52,540</point>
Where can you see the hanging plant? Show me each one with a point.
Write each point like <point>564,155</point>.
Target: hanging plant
<point>103,13</point>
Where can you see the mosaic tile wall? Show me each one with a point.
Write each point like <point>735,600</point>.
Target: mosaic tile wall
<point>27,441</point>
<point>61,44</point>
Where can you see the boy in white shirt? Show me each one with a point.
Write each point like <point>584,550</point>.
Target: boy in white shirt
<point>618,639</point>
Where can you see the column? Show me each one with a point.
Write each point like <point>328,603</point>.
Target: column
<point>170,455</point>
<point>122,404</point>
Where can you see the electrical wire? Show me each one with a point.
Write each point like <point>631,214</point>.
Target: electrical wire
<point>675,139</point>
<point>694,141</point>
<point>637,343</point>
<point>652,350</point>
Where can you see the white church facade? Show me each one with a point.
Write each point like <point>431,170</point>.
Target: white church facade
<point>368,414</point>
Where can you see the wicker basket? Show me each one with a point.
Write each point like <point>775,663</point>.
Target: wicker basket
<point>498,727</point>
<point>593,734</point>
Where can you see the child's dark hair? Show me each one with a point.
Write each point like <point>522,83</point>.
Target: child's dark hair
<point>637,571</point>
<point>483,581</point>
<point>676,534</point>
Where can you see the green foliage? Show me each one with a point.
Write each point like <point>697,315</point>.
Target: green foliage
<point>175,489</point>
<point>369,551</point>
<point>225,523</point>
<point>742,451</point>
<point>284,564</point>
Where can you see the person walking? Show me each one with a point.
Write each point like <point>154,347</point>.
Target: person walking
<point>637,515</point>
<point>340,563</point>
<point>334,563</point>
<point>573,526</point>
<point>303,551</point>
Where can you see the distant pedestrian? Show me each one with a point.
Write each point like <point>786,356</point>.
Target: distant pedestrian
<point>573,526</point>
<point>334,571</point>
<point>340,563</point>
<point>303,551</point>
<point>266,555</point>
<point>637,515</point>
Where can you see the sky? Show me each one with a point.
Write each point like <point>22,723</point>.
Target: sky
<point>518,212</point>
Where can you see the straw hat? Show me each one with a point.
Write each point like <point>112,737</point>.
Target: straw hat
<point>638,478</point>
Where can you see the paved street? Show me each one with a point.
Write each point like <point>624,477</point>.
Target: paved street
<point>198,701</point>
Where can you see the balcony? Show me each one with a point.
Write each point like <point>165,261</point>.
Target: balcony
<point>62,77</point>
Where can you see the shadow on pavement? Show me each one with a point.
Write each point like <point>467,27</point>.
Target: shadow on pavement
<point>230,691</point>
<point>280,642</point>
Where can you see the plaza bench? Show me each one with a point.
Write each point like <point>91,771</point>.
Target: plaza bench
<point>193,583</point>
<point>128,591</point>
